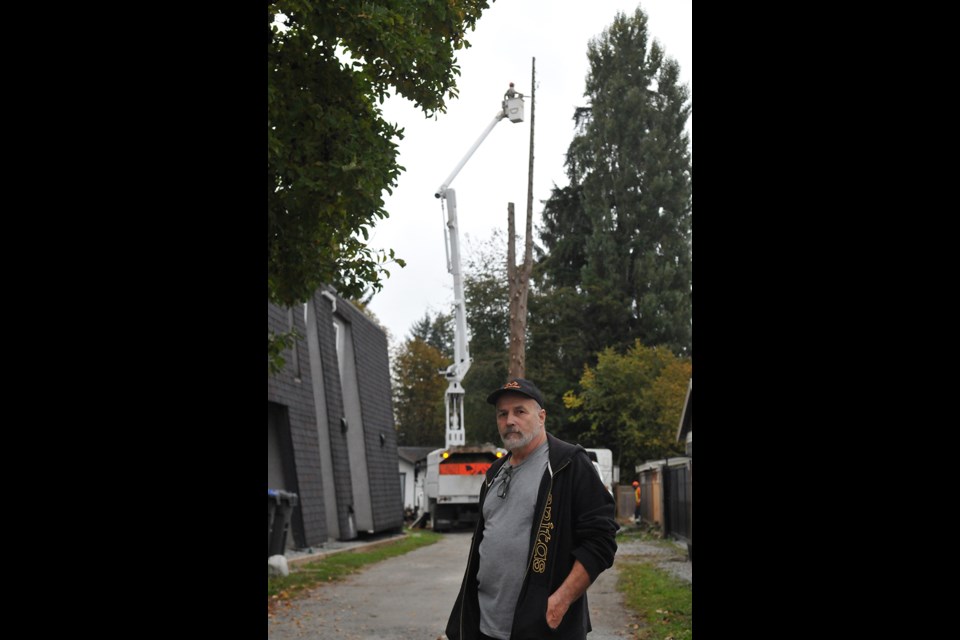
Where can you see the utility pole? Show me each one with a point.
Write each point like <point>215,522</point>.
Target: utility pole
<point>519,277</point>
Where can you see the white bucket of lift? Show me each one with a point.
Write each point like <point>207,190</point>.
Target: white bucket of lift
<point>514,109</point>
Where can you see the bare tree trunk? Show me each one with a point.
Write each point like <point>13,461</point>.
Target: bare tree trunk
<point>519,278</point>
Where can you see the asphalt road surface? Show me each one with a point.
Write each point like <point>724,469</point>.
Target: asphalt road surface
<point>409,597</point>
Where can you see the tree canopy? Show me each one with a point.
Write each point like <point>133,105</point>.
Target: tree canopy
<point>330,153</point>
<point>616,260</point>
<point>436,332</point>
<point>632,403</point>
<point>418,387</point>
<point>620,234</point>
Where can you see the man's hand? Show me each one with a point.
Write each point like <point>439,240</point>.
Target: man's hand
<point>556,609</point>
<point>572,588</point>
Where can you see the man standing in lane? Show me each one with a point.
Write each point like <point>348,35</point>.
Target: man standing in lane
<point>546,531</point>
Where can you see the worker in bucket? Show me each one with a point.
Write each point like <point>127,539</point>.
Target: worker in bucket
<point>509,95</point>
<point>547,529</point>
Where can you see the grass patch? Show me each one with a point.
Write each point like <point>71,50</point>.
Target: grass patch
<point>663,601</point>
<point>341,565</point>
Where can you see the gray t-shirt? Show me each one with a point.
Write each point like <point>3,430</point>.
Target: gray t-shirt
<point>505,548</point>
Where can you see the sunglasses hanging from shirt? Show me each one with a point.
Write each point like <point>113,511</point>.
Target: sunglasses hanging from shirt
<point>505,485</point>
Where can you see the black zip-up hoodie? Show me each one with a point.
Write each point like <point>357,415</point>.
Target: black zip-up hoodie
<point>574,520</point>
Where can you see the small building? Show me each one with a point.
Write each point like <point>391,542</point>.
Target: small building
<point>413,465</point>
<point>665,495</point>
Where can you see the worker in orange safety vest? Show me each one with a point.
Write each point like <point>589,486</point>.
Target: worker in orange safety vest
<point>636,494</point>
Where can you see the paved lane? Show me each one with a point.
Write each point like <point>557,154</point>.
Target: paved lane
<point>409,598</point>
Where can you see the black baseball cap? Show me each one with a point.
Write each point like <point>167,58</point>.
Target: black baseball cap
<point>518,385</point>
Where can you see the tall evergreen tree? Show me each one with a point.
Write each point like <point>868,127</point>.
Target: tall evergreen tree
<point>622,229</point>
<point>616,263</point>
<point>563,232</point>
<point>436,332</point>
<point>635,164</point>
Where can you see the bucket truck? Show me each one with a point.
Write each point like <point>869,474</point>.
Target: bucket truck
<point>456,472</point>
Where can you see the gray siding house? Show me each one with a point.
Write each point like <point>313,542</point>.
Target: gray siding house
<point>330,432</point>
<point>413,468</point>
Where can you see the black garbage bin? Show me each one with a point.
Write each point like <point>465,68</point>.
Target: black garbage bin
<point>282,504</point>
<point>272,501</point>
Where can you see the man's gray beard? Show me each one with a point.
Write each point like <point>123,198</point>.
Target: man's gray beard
<point>517,444</point>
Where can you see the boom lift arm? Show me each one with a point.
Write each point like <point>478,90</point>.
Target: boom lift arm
<point>512,108</point>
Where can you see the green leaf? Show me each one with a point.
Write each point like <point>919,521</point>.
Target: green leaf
<point>330,153</point>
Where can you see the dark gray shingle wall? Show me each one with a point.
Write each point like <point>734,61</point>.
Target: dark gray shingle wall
<point>373,374</point>
<point>334,396</point>
<point>373,377</point>
<point>308,525</point>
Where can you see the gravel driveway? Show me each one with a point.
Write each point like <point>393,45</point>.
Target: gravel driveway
<point>668,555</point>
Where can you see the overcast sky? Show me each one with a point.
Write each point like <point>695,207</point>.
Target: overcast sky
<point>508,35</point>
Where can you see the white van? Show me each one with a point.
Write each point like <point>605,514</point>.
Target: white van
<point>603,461</point>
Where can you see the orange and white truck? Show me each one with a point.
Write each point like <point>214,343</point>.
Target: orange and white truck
<point>452,487</point>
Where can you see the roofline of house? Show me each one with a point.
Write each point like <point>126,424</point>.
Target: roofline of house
<point>656,464</point>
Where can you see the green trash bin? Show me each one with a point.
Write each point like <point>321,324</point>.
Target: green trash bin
<point>284,503</point>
